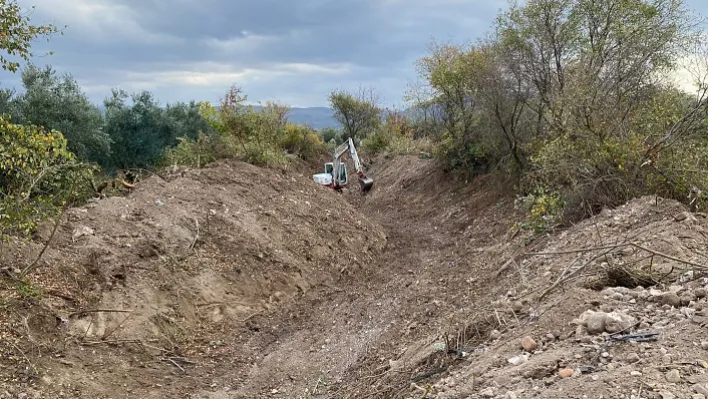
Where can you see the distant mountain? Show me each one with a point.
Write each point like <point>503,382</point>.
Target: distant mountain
<point>316,117</point>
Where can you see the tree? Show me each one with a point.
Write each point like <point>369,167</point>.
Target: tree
<point>17,34</point>
<point>140,131</point>
<point>329,133</point>
<point>57,102</point>
<point>358,113</point>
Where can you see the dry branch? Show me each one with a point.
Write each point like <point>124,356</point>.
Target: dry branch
<point>608,249</point>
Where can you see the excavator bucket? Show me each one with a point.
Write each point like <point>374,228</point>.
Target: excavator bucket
<point>366,183</point>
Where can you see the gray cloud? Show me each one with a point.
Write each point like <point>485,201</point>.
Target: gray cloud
<point>295,51</point>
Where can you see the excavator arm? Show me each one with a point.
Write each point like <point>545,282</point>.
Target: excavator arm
<point>364,181</point>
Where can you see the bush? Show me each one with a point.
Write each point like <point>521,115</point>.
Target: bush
<point>38,175</point>
<point>303,141</point>
<point>189,152</point>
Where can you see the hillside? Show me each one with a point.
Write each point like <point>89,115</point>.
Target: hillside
<point>239,282</point>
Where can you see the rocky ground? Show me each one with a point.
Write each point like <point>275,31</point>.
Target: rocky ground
<point>238,282</point>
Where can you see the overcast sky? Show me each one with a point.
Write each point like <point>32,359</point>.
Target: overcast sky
<point>294,51</point>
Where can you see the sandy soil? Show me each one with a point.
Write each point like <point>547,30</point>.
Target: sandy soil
<point>238,282</point>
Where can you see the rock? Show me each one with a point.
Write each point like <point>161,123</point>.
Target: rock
<point>617,296</point>
<point>528,344</point>
<point>488,393</point>
<point>667,395</point>
<point>82,231</point>
<point>704,345</point>
<point>632,358</point>
<point>581,331</point>
<point>517,307</point>
<point>698,396</point>
<point>495,335</point>
<point>511,395</point>
<point>700,389</point>
<point>596,323</point>
<point>700,293</point>
<point>635,373</point>
<point>618,321</point>
<point>673,376</point>
<point>671,299</point>
<point>687,298</point>
<point>518,360</point>
<point>566,373</point>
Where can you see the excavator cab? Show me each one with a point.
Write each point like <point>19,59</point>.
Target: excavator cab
<point>343,174</point>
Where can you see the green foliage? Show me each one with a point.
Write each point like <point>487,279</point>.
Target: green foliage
<point>189,152</point>
<point>331,135</point>
<point>38,174</point>
<point>261,137</point>
<point>568,96</point>
<point>359,114</point>
<point>27,289</point>
<point>544,210</point>
<point>18,34</point>
<point>303,141</point>
<point>394,136</point>
<point>143,130</point>
<point>58,103</point>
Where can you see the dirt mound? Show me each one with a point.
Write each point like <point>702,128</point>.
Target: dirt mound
<point>597,266</point>
<point>248,283</point>
<point>172,276</point>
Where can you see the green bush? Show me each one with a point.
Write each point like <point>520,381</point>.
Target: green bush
<point>190,152</point>
<point>303,141</point>
<point>38,175</point>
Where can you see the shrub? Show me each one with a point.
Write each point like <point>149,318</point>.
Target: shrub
<point>303,141</point>
<point>38,174</point>
<point>189,152</point>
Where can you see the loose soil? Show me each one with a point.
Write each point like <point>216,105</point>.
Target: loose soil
<point>234,281</point>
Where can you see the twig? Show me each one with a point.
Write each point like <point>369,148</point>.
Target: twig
<point>663,255</point>
<point>33,265</point>
<point>196,236</point>
<point>579,250</point>
<point>175,364</point>
<point>83,312</point>
<point>574,272</point>
<point>114,341</point>
<point>23,355</point>
<point>109,333</point>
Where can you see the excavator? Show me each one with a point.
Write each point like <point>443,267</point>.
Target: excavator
<point>335,175</point>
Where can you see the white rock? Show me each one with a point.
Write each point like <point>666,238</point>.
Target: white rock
<point>518,360</point>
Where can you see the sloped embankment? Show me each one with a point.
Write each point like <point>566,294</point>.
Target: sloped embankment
<point>140,288</point>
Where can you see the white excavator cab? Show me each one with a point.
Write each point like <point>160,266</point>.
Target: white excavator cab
<point>343,174</point>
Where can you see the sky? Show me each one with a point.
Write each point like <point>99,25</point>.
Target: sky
<point>293,51</point>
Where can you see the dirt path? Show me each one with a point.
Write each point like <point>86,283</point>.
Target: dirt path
<point>335,337</point>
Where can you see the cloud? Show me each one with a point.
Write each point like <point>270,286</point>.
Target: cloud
<point>102,21</point>
<point>295,51</point>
